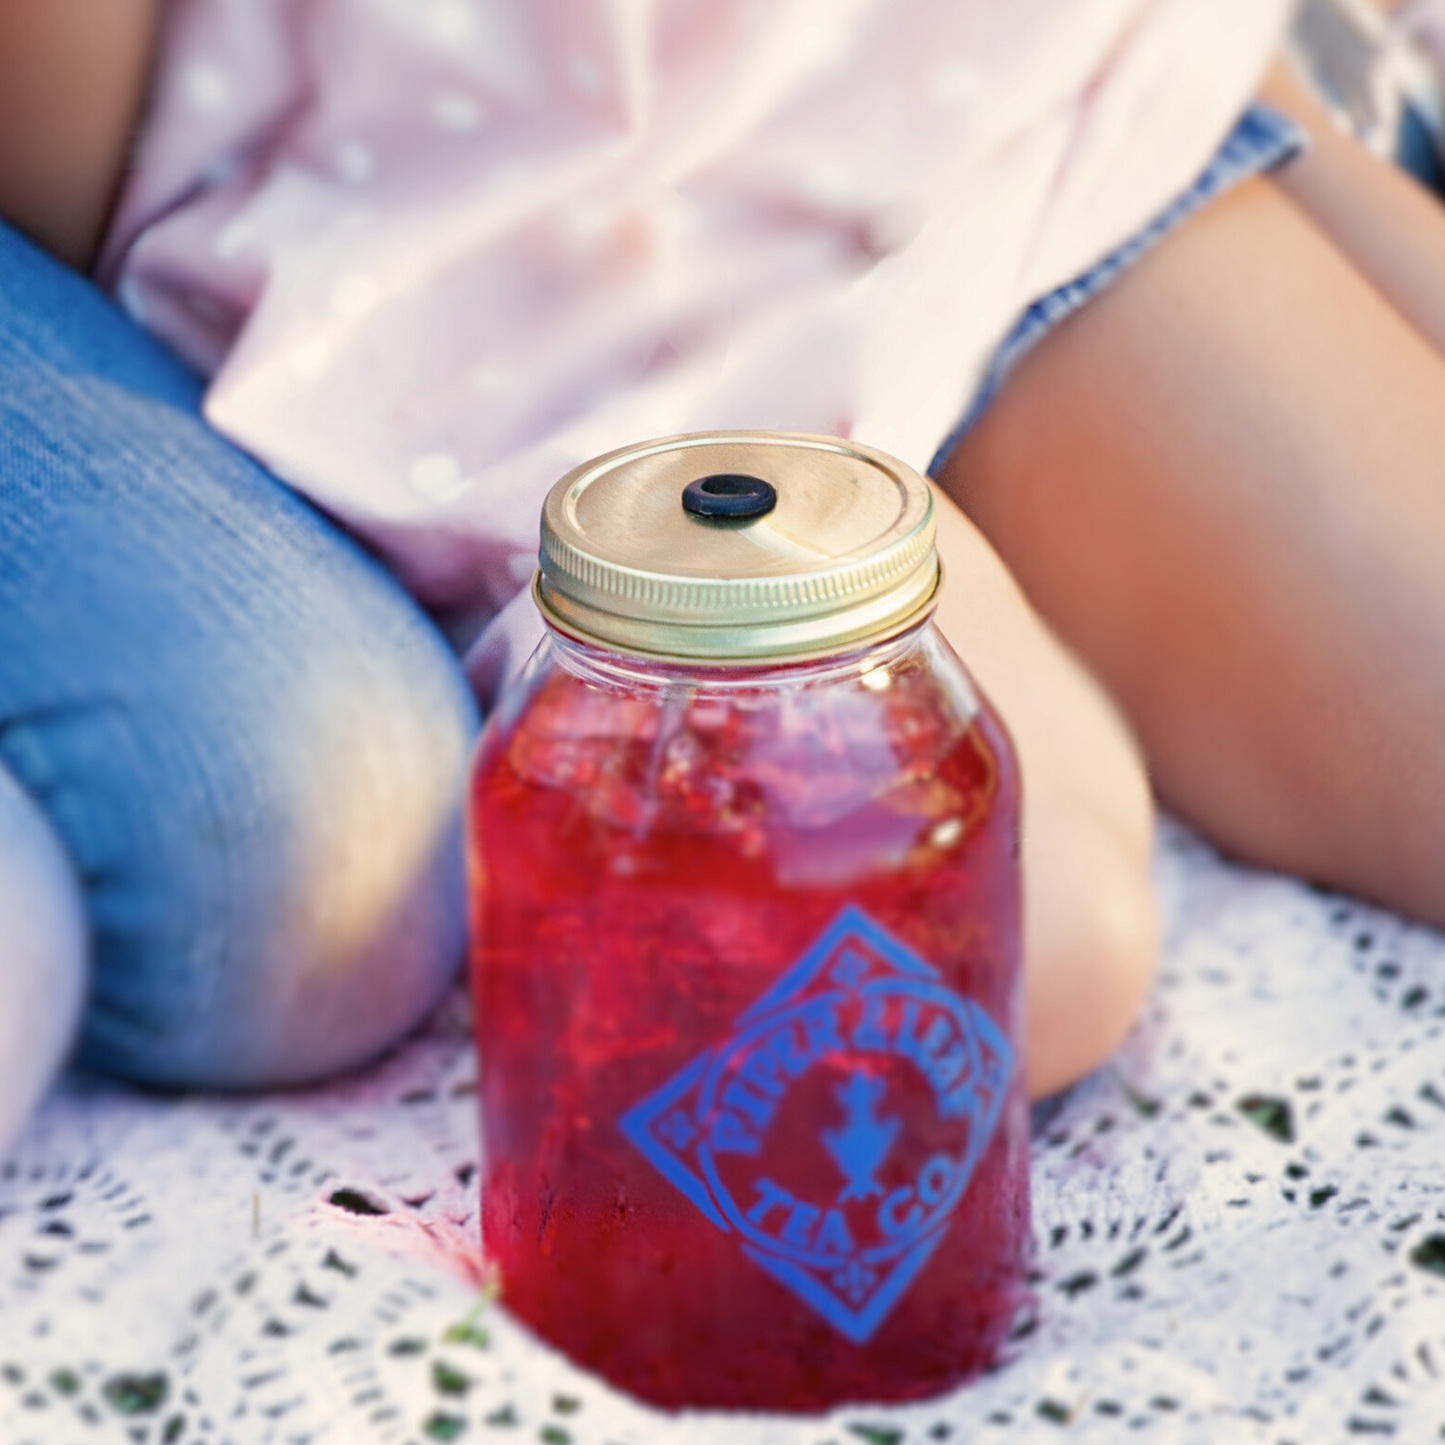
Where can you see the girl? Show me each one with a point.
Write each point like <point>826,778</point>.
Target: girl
<point>433,254</point>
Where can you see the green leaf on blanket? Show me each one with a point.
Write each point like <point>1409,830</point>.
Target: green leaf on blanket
<point>136,1394</point>
<point>1144,1106</point>
<point>877,1434</point>
<point>447,1381</point>
<point>1270,1114</point>
<point>467,1333</point>
<point>1429,1254</point>
<point>1129,1263</point>
<point>335,1261</point>
<point>444,1427</point>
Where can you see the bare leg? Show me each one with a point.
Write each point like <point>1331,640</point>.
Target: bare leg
<point>1223,483</point>
<point>72,84</point>
<point>1383,221</point>
<point>1088,912</point>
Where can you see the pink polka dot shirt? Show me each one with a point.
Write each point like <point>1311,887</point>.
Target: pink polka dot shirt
<point>433,253</point>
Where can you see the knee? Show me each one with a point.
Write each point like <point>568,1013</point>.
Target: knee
<point>42,981</point>
<point>302,905</point>
<point>249,740</point>
<point>1092,946</point>
<point>1089,924</point>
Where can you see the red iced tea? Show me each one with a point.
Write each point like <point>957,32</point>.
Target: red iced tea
<point>746,970</point>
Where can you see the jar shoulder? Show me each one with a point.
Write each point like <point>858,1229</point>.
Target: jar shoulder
<point>807,744</point>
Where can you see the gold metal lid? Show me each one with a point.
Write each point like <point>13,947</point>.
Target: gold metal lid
<point>786,546</point>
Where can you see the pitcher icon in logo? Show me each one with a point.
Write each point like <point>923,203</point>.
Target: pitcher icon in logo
<point>837,1128</point>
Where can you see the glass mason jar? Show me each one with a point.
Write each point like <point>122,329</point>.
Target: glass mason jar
<point>746,959</point>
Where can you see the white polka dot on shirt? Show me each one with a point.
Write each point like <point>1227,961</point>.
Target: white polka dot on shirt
<point>454,111</point>
<point>954,85</point>
<point>437,475</point>
<point>586,74</point>
<point>207,87</point>
<point>587,225</point>
<point>521,565</point>
<point>354,161</point>
<point>232,239</point>
<point>311,357</point>
<point>354,294</point>
<point>449,23</point>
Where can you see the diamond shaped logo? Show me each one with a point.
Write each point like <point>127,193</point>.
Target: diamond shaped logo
<point>837,1127</point>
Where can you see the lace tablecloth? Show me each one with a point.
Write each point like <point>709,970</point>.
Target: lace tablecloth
<point>1240,1233</point>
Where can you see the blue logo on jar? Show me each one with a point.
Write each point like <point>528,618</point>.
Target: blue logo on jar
<point>836,1129</point>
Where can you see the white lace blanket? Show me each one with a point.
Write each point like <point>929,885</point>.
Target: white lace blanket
<point>1240,1234</point>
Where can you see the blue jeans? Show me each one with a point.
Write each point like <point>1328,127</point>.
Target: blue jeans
<point>247,740</point>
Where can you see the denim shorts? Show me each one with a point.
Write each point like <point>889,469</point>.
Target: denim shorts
<point>1261,141</point>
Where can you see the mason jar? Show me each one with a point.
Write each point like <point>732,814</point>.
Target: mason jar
<point>746,961</point>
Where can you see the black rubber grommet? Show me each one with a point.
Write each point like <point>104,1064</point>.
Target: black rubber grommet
<point>729,494</point>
